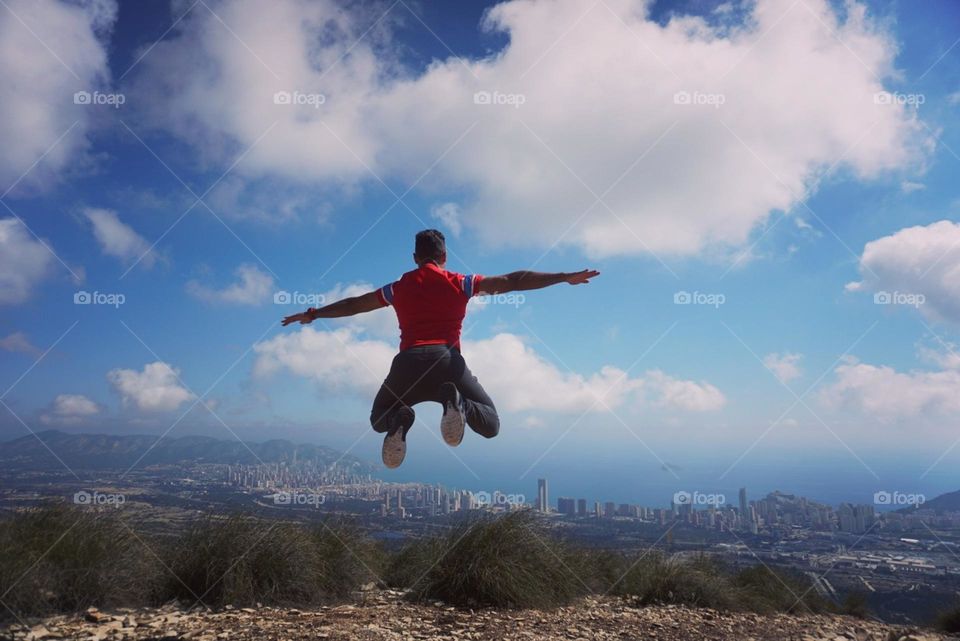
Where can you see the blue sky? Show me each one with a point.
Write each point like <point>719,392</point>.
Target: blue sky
<point>813,170</point>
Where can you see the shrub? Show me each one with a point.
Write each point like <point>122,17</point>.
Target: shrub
<point>655,579</point>
<point>506,561</point>
<point>766,589</point>
<point>949,620</point>
<point>241,560</point>
<point>855,604</point>
<point>64,558</point>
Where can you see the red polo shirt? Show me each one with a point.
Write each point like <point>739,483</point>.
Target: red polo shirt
<point>430,303</point>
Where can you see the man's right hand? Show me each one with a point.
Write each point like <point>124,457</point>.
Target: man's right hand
<point>581,277</point>
<point>304,318</point>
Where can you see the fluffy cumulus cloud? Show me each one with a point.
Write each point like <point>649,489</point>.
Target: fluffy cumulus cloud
<point>380,323</point>
<point>585,102</point>
<point>339,360</point>
<point>49,50</point>
<point>514,374</point>
<point>785,367</point>
<point>917,266</point>
<point>156,388</point>
<point>118,239</point>
<point>887,394</point>
<point>253,287</point>
<point>70,409</point>
<point>24,261</point>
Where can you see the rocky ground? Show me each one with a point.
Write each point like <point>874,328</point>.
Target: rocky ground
<point>385,615</point>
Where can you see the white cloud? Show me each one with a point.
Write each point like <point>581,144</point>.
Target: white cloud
<point>798,85</point>
<point>154,389</point>
<point>887,394</point>
<point>910,186</point>
<point>945,355</point>
<point>24,261</point>
<point>48,51</point>
<point>515,376</point>
<point>380,323</point>
<point>784,366</point>
<point>254,287</point>
<point>337,360</point>
<point>70,409</point>
<point>118,239</point>
<point>449,216</point>
<point>916,261</point>
<point>18,342</point>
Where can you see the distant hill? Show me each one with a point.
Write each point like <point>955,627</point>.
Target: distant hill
<point>949,502</point>
<point>107,451</point>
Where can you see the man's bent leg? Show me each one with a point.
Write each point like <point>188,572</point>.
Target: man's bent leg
<point>478,407</point>
<point>394,393</point>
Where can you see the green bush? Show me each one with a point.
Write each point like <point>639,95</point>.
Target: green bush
<point>767,589</point>
<point>242,560</point>
<point>69,558</point>
<point>655,579</point>
<point>949,620</point>
<point>506,561</point>
<point>855,604</point>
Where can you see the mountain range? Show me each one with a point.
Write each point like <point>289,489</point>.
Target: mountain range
<point>107,451</point>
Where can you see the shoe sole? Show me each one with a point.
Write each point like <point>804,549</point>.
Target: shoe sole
<point>451,425</point>
<point>394,449</point>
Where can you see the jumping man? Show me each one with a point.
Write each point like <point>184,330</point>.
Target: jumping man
<point>430,303</point>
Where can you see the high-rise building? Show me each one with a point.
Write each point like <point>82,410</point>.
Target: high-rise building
<point>581,507</point>
<point>567,506</point>
<point>744,512</point>
<point>543,499</point>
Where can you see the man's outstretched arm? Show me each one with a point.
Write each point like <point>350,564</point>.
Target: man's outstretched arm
<point>346,307</point>
<point>525,280</point>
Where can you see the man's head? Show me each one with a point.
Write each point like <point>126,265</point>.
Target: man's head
<point>430,247</point>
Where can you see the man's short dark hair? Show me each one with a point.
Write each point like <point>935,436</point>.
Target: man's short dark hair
<point>430,245</point>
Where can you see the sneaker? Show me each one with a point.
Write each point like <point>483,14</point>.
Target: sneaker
<point>451,425</point>
<point>395,442</point>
